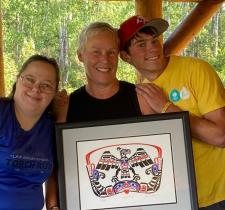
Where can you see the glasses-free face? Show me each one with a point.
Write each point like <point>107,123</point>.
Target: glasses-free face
<point>100,58</point>
<point>30,82</point>
<point>146,55</point>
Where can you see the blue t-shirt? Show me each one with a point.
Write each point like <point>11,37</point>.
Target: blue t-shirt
<point>26,160</point>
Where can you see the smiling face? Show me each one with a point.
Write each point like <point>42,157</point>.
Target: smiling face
<point>146,55</point>
<point>100,57</point>
<point>32,101</point>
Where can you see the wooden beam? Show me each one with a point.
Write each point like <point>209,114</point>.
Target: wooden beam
<point>184,0</point>
<point>164,0</point>
<point>2,84</point>
<point>191,25</point>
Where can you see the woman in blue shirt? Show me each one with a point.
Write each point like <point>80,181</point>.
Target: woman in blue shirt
<point>26,137</point>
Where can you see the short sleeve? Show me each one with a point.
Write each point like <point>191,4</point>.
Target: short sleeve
<point>208,88</point>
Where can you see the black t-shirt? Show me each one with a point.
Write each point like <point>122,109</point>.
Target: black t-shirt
<point>83,107</point>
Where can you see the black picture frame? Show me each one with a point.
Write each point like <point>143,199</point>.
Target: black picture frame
<point>104,164</point>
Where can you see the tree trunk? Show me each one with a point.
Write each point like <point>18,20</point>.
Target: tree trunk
<point>215,32</point>
<point>63,53</point>
<point>2,84</point>
<point>17,47</point>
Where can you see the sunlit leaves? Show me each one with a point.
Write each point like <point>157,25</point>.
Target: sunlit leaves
<point>34,27</point>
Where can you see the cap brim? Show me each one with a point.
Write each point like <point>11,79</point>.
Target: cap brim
<point>159,24</point>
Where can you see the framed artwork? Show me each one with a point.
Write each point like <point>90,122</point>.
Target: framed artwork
<point>142,163</point>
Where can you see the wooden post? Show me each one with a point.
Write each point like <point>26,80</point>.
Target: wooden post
<point>2,84</point>
<point>191,25</point>
<point>149,9</point>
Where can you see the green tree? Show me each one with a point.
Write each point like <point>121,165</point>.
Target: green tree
<point>52,27</point>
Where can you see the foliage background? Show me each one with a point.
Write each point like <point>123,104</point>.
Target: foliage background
<point>52,27</point>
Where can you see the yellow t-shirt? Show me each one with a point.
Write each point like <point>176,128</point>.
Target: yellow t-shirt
<point>194,86</point>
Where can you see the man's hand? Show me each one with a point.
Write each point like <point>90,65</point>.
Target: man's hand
<point>60,105</point>
<point>153,95</point>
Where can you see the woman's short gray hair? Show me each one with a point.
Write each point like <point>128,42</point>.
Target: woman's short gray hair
<point>93,29</point>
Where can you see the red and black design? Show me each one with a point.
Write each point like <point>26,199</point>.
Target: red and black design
<point>137,172</point>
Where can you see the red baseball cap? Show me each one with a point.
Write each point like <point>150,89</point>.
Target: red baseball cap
<point>135,23</point>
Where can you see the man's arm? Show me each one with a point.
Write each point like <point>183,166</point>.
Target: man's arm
<point>210,128</point>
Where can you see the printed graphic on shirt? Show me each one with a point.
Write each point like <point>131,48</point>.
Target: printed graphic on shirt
<point>176,95</point>
<point>184,93</point>
<point>23,162</point>
<point>26,160</point>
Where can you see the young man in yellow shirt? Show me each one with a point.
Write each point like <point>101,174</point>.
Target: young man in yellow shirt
<point>177,83</point>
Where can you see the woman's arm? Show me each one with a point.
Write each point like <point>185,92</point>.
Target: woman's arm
<point>51,197</point>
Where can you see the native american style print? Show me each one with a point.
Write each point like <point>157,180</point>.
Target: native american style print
<point>125,168</point>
